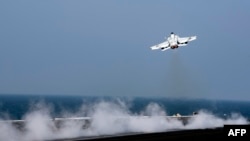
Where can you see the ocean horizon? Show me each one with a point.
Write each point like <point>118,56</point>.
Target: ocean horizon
<point>15,106</point>
<point>48,117</point>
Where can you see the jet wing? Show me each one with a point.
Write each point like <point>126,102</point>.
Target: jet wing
<point>163,46</point>
<point>185,40</point>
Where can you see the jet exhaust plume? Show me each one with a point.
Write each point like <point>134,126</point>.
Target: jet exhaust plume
<point>182,81</point>
<point>106,118</point>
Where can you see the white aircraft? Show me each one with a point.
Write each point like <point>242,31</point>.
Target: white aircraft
<point>173,41</point>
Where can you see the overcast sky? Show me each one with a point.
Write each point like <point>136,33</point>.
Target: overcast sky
<point>103,48</point>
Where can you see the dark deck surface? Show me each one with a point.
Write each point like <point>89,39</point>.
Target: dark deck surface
<point>216,133</point>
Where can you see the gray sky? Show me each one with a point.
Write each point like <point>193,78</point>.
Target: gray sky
<point>103,48</point>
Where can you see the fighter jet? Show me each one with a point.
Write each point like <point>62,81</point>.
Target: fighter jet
<point>173,42</point>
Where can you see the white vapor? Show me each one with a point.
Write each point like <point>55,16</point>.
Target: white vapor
<point>107,118</point>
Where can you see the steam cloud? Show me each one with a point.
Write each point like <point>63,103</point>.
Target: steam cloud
<point>107,118</point>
